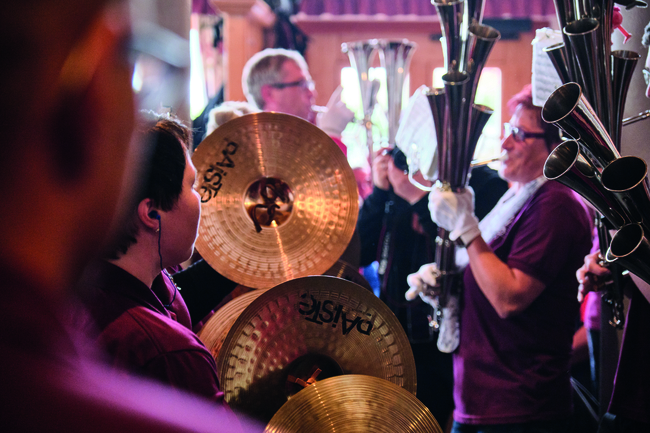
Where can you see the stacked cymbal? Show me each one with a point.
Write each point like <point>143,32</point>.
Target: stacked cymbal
<point>279,200</point>
<point>305,330</point>
<point>353,404</point>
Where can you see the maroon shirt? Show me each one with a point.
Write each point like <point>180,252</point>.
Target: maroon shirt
<point>49,383</point>
<point>516,369</point>
<point>141,336</point>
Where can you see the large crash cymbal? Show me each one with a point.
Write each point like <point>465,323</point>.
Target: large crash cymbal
<point>353,404</point>
<point>309,329</point>
<point>279,199</point>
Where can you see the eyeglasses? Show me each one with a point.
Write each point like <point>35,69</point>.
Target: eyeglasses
<point>302,84</point>
<point>646,76</point>
<point>519,134</point>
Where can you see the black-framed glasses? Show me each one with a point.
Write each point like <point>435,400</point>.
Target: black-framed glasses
<point>646,76</point>
<point>303,84</point>
<point>519,134</point>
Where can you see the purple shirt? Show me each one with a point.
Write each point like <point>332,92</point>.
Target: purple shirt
<point>517,369</point>
<point>141,336</point>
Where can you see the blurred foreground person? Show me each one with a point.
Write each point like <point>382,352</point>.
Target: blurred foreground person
<point>519,306</point>
<point>67,118</point>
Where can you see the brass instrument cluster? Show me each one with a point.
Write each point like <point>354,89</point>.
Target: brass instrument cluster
<point>458,121</point>
<point>588,109</point>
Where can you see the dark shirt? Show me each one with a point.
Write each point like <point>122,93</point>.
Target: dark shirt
<point>51,383</point>
<point>141,336</point>
<point>631,396</point>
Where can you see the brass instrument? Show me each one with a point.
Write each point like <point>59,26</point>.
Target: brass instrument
<point>589,109</point>
<point>457,120</point>
<point>395,58</point>
<point>361,54</point>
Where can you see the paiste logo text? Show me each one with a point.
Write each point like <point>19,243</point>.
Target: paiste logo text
<point>324,312</point>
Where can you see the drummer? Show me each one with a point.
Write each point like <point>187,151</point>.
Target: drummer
<point>519,306</point>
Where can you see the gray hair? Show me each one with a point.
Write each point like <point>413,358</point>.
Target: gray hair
<point>265,68</point>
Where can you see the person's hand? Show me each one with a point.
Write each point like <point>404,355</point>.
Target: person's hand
<point>380,169</point>
<point>403,186</point>
<point>336,116</point>
<point>423,283</point>
<point>454,211</point>
<point>591,276</point>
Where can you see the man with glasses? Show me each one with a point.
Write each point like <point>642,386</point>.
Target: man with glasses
<point>518,306</point>
<point>276,79</point>
<point>67,160</point>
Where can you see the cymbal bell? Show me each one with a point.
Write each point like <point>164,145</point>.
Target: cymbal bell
<point>308,329</point>
<point>279,199</point>
<point>353,404</point>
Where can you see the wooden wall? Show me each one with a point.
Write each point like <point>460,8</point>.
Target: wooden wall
<point>325,59</point>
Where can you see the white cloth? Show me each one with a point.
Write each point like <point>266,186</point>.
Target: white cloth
<point>495,223</point>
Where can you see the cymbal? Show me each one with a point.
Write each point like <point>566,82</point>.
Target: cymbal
<point>279,199</point>
<point>353,404</point>
<point>346,271</point>
<point>308,329</point>
<point>214,332</point>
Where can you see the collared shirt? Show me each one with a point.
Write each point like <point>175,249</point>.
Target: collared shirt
<point>141,336</point>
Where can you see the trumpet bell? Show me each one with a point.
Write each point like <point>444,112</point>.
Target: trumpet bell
<point>567,165</point>
<point>631,248</point>
<point>570,111</point>
<point>625,178</point>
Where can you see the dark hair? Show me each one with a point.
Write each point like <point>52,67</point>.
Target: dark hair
<point>168,140</point>
<point>645,40</point>
<point>525,99</point>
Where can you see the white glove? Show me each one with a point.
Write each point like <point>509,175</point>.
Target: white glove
<point>454,211</point>
<point>337,116</point>
<point>449,334</point>
<point>421,282</point>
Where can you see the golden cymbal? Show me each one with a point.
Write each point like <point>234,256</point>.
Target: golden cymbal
<point>353,404</point>
<point>214,332</point>
<point>279,199</point>
<point>308,329</point>
<point>346,271</point>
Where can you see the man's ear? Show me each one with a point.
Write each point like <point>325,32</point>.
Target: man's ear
<point>267,93</point>
<point>149,215</point>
